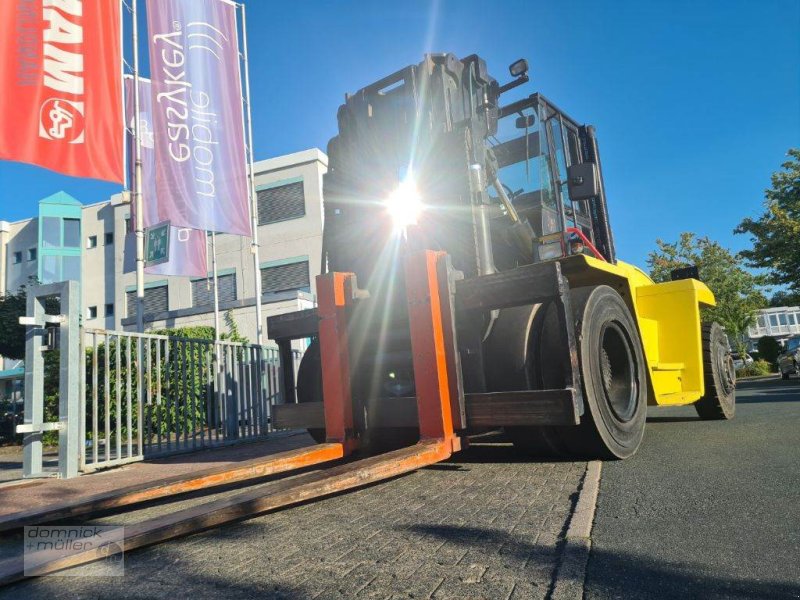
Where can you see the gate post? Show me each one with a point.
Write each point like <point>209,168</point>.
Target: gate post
<point>69,415</point>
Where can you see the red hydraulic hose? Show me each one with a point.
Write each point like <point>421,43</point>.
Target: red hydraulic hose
<point>586,242</point>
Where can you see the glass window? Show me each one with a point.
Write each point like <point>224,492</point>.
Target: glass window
<point>17,258</point>
<point>51,232</point>
<point>92,312</point>
<point>782,319</point>
<point>109,238</point>
<point>762,321</point>
<point>72,268</point>
<point>109,310</point>
<point>773,320</point>
<point>51,269</point>
<point>32,253</point>
<point>91,242</point>
<point>72,233</point>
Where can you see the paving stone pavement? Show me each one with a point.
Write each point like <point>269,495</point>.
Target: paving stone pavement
<point>483,525</point>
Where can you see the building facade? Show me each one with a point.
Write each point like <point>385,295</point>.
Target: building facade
<point>780,322</point>
<point>87,243</point>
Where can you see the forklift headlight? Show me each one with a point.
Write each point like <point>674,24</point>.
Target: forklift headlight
<point>404,204</point>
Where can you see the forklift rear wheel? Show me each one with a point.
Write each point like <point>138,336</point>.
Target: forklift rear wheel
<point>719,401</point>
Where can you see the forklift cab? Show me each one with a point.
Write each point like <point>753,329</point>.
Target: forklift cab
<point>548,167</point>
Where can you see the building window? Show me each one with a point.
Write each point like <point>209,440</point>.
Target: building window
<point>282,278</point>
<point>109,238</point>
<point>773,320</point>
<point>31,254</point>
<point>91,242</point>
<point>203,290</point>
<point>92,313</point>
<point>281,203</point>
<point>51,232</point>
<point>17,258</point>
<point>156,300</point>
<point>72,233</point>
<point>109,310</point>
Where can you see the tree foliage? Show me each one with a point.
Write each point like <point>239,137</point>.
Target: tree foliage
<point>769,349</point>
<point>13,305</point>
<point>12,334</point>
<point>737,290</point>
<point>776,233</point>
<point>783,298</point>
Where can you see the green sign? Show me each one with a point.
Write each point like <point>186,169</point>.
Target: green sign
<point>156,240</point>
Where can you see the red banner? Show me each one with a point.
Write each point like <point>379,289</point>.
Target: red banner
<point>61,86</point>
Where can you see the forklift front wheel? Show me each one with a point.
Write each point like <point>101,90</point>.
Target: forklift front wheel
<point>613,373</point>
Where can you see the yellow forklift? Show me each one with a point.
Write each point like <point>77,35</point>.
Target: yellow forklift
<point>555,340</point>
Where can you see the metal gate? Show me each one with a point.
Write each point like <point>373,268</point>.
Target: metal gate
<point>151,395</point>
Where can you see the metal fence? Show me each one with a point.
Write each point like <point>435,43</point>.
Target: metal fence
<point>148,395</point>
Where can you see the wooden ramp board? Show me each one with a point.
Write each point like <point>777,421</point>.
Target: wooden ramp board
<point>180,484</point>
<point>251,503</point>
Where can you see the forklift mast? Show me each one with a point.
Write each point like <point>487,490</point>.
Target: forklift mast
<point>500,185</point>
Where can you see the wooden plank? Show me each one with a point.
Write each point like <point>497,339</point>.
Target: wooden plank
<point>179,484</point>
<point>495,409</point>
<point>251,503</point>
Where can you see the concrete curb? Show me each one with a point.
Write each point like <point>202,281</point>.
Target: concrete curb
<point>569,579</point>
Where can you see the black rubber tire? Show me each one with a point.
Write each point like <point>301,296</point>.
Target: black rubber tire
<point>719,401</point>
<point>612,367</point>
<point>603,433</point>
<point>309,383</point>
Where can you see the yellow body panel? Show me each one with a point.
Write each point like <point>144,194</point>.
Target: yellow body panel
<point>668,315</point>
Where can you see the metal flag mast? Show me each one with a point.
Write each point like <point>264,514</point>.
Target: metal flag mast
<point>254,247</point>
<point>215,277</point>
<point>137,177</point>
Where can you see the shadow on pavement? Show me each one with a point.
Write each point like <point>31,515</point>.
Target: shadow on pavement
<point>620,575</point>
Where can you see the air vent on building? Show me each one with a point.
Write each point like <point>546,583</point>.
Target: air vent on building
<point>156,300</point>
<point>281,203</point>
<point>293,276</point>
<point>203,290</point>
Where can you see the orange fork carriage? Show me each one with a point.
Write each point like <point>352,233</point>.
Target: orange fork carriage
<point>437,376</point>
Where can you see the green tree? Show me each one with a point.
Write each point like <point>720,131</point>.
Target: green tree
<point>769,349</point>
<point>783,298</point>
<point>737,290</point>
<point>776,233</point>
<point>12,334</point>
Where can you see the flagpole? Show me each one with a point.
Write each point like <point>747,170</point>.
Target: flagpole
<point>216,283</point>
<point>137,178</point>
<point>253,198</point>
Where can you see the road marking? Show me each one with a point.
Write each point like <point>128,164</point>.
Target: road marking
<point>571,573</point>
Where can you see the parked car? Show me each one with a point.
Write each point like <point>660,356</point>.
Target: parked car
<point>789,359</point>
<point>738,363</point>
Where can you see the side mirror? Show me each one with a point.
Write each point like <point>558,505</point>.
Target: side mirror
<point>518,68</point>
<point>525,121</point>
<point>582,181</point>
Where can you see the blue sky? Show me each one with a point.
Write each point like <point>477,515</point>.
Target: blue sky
<point>695,103</point>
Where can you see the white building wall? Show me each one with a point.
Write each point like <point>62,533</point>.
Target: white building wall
<point>104,281</point>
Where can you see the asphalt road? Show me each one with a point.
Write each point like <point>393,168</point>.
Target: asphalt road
<point>705,509</point>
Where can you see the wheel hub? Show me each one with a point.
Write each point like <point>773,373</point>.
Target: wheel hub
<point>618,372</point>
